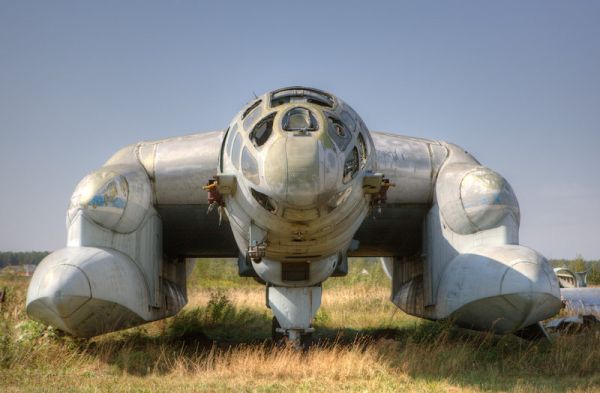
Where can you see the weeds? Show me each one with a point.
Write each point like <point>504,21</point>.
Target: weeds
<point>221,342</point>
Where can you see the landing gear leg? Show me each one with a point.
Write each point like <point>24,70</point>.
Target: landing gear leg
<point>294,309</point>
<point>276,334</point>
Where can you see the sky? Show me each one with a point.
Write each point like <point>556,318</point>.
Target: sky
<point>516,83</point>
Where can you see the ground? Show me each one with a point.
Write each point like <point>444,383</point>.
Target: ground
<point>221,342</point>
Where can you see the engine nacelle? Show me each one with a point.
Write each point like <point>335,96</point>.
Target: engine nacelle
<point>112,274</point>
<point>474,198</point>
<point>500,288</point>
<point>472,270</point>
<point>88,291</point>
<point>116,198</point>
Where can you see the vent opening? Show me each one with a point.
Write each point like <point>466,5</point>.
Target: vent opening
<point>297,271</point>
<point>265,201</point>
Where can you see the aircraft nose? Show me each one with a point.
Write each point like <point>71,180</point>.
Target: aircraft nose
<point>531,290</point>
<point>295,173</point>
<point>63,290</point>
<point>502,288</point>
<point>303,177</point>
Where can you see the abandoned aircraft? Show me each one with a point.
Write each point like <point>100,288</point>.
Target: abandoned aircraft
<point>293,187</point>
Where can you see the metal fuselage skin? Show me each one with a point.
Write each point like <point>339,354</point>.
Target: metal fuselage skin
<point>300,189</point>
<point>298,182</point>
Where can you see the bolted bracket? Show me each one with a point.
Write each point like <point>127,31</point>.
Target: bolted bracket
<point>216,187</point>
<point>372,183</point>
<point>226,184</point>
<point>377,186</point>
<point>257,243</point>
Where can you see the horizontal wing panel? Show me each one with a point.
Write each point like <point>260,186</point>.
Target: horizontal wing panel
<point>583,301</point>
<point>412,165</point>
<point>179,167</point>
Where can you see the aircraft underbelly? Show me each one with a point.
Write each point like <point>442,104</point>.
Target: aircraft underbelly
<point>190,232</point>
<point>397,231</point>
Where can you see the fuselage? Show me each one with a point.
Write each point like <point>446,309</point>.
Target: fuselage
<point>300,181</point>
<point>299,156</point>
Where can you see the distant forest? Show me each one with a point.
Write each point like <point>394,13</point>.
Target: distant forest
<point>8,258</point>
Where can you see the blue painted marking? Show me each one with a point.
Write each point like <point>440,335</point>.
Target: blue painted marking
<point>119,202</point>
<point>98,200</point>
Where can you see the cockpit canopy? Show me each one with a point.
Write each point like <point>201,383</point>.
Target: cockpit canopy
<point>301,94</point>
<point>281,138</point>
<point>299,119</point>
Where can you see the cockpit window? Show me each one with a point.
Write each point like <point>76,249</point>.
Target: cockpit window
<point>301,94</point>
<point>230,137</point>
<point>339,133</point>
<point>250,167</point>
<point>235,151</point>
<point>262,131</point>
<point>363,126</point>
<point>222,150</point>
<point>362,149</point>
<point>351,165</point>
<point>250,108</point>
<point>251,114</point>
<point>349,121</point>
<point>300,119</point>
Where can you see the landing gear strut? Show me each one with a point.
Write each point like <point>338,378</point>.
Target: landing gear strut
<point>294,309</point>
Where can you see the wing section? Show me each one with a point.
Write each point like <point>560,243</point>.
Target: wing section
<point>583,301</point>
<point>395,227</point>
<point>178,168</point>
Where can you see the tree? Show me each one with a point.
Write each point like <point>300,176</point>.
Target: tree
<point>577,264</point>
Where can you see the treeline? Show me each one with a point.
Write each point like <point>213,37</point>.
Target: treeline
<point>10,258</point>
<point>218,270</point>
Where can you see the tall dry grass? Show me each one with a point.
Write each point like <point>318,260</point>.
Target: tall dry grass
<point>220,342</point>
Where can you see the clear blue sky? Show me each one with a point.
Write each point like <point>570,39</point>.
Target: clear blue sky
<point>517,83</point>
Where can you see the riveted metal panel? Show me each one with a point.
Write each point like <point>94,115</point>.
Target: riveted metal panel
<point>183,165</point>
<point>407,162</point>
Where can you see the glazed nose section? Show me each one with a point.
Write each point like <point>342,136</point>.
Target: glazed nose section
<point>300,170</point>
<point>63,290</point>
<point>303,171</point>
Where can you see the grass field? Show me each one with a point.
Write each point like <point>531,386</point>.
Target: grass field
<point>221,342</point>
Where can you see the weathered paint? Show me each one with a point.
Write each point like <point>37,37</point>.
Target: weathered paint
<point>449,224</point>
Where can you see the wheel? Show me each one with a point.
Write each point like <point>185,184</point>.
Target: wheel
<point>306,341</point>
<point>275,335</point>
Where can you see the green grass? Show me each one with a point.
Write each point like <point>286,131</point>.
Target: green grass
<point>221,342</point>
